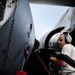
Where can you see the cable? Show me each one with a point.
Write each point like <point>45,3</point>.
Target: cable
<point>43,64</point>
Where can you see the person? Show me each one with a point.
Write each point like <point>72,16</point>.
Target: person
<point>67,48</point>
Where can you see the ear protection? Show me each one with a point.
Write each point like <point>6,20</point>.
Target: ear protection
<point>68,38</point>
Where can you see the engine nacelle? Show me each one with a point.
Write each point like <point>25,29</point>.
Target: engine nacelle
<point>53,42</point>
<point>50,39</point>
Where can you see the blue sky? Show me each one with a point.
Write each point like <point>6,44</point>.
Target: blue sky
<point>45,17</point>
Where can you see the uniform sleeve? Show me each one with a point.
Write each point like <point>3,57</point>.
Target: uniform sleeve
<point>66,50</point>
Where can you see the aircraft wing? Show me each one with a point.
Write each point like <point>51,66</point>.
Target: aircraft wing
<point>55,2</point>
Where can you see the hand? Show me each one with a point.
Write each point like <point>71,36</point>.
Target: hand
<point>53,59</point>
<point>59,62</point>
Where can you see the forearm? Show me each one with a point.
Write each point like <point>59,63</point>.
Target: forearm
<point>57,61</point>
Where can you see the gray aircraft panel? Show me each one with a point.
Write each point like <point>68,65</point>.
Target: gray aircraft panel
<point>55,2</point>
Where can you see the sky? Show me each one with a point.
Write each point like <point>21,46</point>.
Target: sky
<point>45,17</point>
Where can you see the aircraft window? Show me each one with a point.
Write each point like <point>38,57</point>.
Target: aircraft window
<point>31,27</point>
<point>2,8</point>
